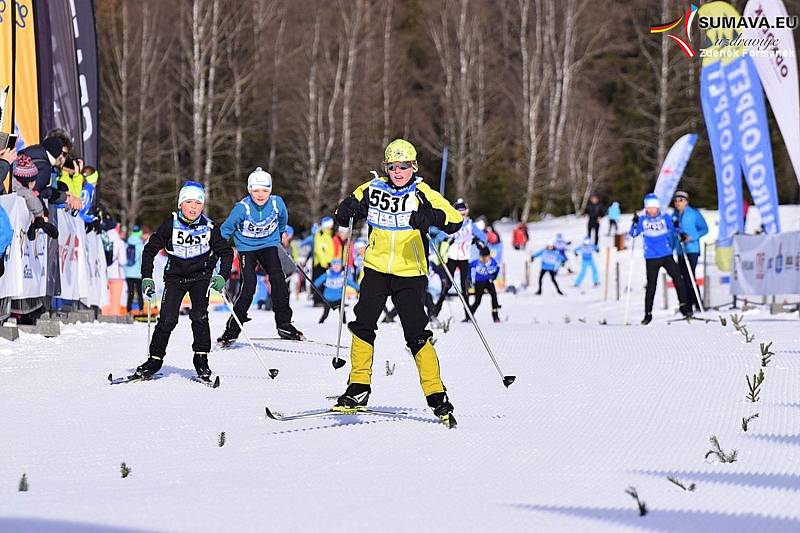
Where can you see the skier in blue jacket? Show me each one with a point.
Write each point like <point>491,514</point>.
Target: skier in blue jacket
<point>334,282</point>
<point>587,251</point>
<point>551,262</point>
<point>256,224</point>
<point>659,236</point>
<point>483,272</point>
<point>692,227</point>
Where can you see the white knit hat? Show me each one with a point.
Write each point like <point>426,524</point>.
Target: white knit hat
<point>192,190</point>
<point>651,200</point>
<point>259,179</point>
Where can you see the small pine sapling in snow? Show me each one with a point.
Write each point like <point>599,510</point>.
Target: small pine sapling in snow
<point>677,482</point>
<point>755,385</point>
<point>766,354</point>
<point>736,320</point>
<point>746,421</point>
<point>723,321</point>
<point>390,368</point>
<point>631,491</point>
<point>748,338</point>
<point>221,442</point>
<point>603,322</point>
<point>23,483</point>
<point>716,449</point>
<point>124,469</point>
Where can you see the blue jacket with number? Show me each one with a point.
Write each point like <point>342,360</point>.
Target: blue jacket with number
<point>255,227</point>
<point>586,251</point>
<point>334,283</point>
<point>659,235</point>
<point>551,259</point>
<point>692,223</point>
<point>481,272</point>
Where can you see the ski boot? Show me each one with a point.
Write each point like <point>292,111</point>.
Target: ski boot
<point>354,399</point>
<point>147,369</point>
<point>686,310</point>
<point>227,338</point>
<point>442,408</point>
<point>200,361</point>
<point>495,315</point>
<point>289,332</point>
<point>648,317</point>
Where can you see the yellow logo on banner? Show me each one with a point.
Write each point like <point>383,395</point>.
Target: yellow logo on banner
<point>715,40</point>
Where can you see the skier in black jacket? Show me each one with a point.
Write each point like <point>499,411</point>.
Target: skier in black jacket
<point>194,245</point>
<point>595,210</point>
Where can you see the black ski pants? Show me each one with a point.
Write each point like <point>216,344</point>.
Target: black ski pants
<point>593,226</point>
<point>687,281</point>
<point>408,297</point>
<point>552,273</point>
<point>279,293</point>
<point>174,291</point>
<point>653,266</point>
<point>463,271</point>
<point>480,287</point>
<point>135,289</point>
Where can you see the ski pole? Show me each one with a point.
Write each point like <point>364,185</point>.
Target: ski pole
<point>337,362</point>
<point>308,278</point>
<point>149,311</point>
<point>695,288</point>
<point>507,380</point>
<point>271,372</point>
<point>628,286</point>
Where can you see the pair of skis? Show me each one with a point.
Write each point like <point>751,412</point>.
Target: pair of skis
<point>134,378</point>
<point>448,420</point>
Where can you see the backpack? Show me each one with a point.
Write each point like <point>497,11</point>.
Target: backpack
<point>130,254</point>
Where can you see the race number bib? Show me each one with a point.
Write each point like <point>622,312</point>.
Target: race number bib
<point>188,242</point>
<point>390,209</point>
<point>259,230</point>
<point>334,283</point>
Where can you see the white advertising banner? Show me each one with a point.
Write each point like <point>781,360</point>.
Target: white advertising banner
<point>11,283</point>
<point>34,266</point>
<point>776,63</point>
<point>72,257</point>
<point>765,265</point>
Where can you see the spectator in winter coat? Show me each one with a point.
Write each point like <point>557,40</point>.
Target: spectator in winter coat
<point>323,253</point>
<point>133,267</point>
<point>115,271</point>
<point>7,158</point>
<point>24,180</point>
<point>692,227</point>
<point>6,234</point>
<point>551,262</point>
<point>519,237</point>
<point>659,237</point>
<point>613,218</point>
<point>48,158</point>
<point>595,210</point>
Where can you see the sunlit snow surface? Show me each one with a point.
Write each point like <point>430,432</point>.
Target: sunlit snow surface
<point>595,409</point>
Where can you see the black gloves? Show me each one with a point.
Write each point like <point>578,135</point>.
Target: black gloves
<point>425,217</point>
<point>48,228</point>
<point>635,218</point>
<point>685,237</point>
<point>349,208</point>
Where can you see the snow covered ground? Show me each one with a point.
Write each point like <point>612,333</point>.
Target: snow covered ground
<point>596,409</point>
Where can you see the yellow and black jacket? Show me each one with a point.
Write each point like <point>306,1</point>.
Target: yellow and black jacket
<point>394,246</point>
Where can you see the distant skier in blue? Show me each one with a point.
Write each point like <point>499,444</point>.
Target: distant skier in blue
<point>483,272</point>
<point>334,282</point>
<point>551,262</point>
<point>659,235</point>
<point>587,251</point>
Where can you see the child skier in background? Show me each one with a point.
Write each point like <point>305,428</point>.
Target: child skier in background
<point>483,272</point>
<point>334,282</point>
<point>659,235</point>
<point>256,224</point>
<point>551,262</point>
<point>194,245</point>
<point>587,251</point>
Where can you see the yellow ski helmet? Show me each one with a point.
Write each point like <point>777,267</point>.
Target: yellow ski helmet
<point>401,150</point>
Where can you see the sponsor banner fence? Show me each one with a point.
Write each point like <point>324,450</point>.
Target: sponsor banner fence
<point>765,265</point>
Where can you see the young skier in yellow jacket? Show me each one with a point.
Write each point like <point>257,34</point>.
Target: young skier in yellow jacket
<point>399,208</point>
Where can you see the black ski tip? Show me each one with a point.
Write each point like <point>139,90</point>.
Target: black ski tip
<point>451,421</point>
<point>216,383</point>
<point>110,378</point>
<point>337,363</point>
<point>508,380</point>
<point>269,414</point>
<point>273,373</point>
